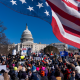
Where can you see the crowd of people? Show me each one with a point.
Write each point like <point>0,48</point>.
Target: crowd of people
<point>46,68</point>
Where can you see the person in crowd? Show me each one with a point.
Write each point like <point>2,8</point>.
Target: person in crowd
<point>57,75</point>
<point>72,75</point>
<point>77,72</point>
<point>23,76</point>
<point>6,76</point>
<point>43,77</point>
<point>35,75</point>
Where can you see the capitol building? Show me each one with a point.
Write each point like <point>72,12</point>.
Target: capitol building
<point>26,41</point>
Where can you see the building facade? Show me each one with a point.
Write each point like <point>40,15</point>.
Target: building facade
<point>26,41</point>
<point>60,46</point>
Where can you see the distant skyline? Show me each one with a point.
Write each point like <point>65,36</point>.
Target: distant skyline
<point>16,24</point>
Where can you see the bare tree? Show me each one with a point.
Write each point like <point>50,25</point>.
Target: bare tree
<point>4,41</point>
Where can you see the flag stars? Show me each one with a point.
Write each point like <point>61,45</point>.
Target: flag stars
<point>13,2</point>
<point>30,8</point>
<point>39,5</point>
<point>47,13</point>
<point>23,1</point>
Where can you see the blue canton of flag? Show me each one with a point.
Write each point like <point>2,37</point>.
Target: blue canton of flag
<point>36,8</point>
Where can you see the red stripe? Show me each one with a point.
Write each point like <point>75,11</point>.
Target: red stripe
<point>77,0</point>
<point>57,33</point>
<point>71,31</point>
<point>64,14</point>
<point>71,5</point>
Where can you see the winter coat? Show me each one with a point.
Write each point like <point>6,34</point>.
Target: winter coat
<point>44,78</point>
<point>34,77</point>
<point>52,78</point>
<point>23,76</point>
<point>77,76</point>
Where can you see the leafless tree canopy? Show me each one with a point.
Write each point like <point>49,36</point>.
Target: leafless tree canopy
<point>4,41</point>
<point>48,49</point>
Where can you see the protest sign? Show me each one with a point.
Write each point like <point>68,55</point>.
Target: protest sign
<point>14,52</point>
<point>2,67</point>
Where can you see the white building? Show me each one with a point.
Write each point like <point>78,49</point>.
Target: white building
<point>27,42</point>
<point>60,46</point>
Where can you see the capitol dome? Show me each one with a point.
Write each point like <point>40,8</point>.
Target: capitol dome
<point>26,36</point>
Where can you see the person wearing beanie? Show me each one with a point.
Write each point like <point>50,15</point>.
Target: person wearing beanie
<point>72,75</point>
<point>43,68</point>
<point>57,75</point>
<point>19,74</point>
<point>67,72</point>
<point>43,77</point>
<point>77,70</point>
<point>15,70</point>
<point>23,76</point>
<point>35,75</point>
<point>33,69</point>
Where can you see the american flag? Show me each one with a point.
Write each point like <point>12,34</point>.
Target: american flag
<point>63,15</point>
<point>66,20</point>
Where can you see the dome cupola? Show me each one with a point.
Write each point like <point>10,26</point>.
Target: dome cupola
<point>26,36</point>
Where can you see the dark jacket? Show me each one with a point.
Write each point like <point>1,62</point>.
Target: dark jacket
<point>44,78</point>
<point>23,76</point>
<point>52,78</point>
<point>34,77</point>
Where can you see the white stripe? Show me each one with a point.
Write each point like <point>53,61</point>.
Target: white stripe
<point>74,2</point>
<point>68,23</point>
<point>63,33</point>
<point>60,4</point>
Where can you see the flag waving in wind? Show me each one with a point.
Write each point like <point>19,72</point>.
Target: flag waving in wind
<point>63,15</point>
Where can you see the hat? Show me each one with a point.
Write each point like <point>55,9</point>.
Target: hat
<point>29,65</point>
<point>15,68</point>
<point>37,68</point>
<point>42,73</point>
<point>23,69</point>
<point>13,64</point>
<point>77,68</point>
<point>29,68</point>
<point>43,68</point>
<point>52,67</point>
<point>33,68</point>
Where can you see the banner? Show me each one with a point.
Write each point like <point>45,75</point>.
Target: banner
<point>63,53</point>
<point>14,52</point>
<point>2,67</point>
<point>24,51</point>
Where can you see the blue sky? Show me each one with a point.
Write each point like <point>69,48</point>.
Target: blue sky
<point>16,24</point>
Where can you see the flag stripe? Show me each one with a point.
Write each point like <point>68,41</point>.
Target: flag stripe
<point>57,32</point>
<point>74,2</point>
<point>71,5</point>
<point>68,23</point>
<point>71,31</point>
<point>62,13</point>
<point>66,35</point>
<point>63,7</point>
<point>77,0</point>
